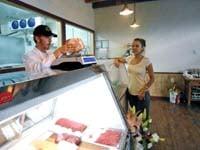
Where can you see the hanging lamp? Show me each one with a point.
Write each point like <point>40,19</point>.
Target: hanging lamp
<point>125,10</point>
<point>134,24</point>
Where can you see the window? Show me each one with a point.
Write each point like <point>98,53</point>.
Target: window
<point>102,48</point>
<point>87,37</point>
<point>16,27</point>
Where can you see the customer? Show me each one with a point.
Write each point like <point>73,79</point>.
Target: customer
<point>138,67</point>
<point>41,57</point>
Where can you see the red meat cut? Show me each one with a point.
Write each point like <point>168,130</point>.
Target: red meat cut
<point>110,137</point>
<point>75,126</point>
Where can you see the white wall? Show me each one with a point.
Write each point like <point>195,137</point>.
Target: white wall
<point>170,27</point>
<point>76,11</point>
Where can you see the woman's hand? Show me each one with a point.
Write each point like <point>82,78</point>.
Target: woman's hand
<point>118,61</point>
<point>141,97</point>
<point>141,94</point>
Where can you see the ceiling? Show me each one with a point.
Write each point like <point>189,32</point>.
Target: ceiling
<point>108,3</point>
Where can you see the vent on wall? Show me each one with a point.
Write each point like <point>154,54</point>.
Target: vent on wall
<point>24,23</point>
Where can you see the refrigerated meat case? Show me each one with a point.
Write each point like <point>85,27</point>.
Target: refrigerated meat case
<point>61,110</point>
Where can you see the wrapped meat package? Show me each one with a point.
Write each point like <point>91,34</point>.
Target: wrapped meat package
<point>75,126</point>
<point>77,43</point>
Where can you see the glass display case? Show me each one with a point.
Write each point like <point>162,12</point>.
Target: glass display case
<point>119,80</point>
<point>65,110</point>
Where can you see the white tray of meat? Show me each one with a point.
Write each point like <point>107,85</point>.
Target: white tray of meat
<point>59,130</point>
<point>110,137</point>
<point>104,137</point>
<point>91,134</point>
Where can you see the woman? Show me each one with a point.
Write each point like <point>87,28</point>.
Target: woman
<point>139,67</point>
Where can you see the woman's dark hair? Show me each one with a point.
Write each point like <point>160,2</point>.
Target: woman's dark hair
<point>142,41</point>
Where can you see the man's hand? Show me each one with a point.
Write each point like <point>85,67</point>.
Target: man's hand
<point>74,45</point>
<point>58,52</point>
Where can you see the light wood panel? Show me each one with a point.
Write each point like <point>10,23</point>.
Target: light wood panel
<point>163,83</point>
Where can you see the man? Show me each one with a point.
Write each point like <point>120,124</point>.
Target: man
<point>40,57</point>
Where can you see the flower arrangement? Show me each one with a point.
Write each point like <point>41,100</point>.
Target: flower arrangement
<point>139,124</point>
<point>174,93</point>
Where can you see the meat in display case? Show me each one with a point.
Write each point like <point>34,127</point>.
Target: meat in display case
<point>74,110</point>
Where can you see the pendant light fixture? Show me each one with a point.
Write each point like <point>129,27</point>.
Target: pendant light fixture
<point>134,24</point>
<point>125,10</point>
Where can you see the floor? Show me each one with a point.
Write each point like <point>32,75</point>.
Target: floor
<point>178,124</point>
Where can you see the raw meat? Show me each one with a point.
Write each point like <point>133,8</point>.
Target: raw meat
<point>66,137</point>
<point>75,126</point>
<point>110,137</point>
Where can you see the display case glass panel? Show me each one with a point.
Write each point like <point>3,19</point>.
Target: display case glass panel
<point>83,115</point>
<point>94,101</point>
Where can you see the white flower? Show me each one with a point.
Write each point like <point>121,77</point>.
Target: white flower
<point>150,120</point>
<point>155,137</point>
<point>139,138</point>
<point>139,146</point>
<point>145,129</point>
<point>149,145</point>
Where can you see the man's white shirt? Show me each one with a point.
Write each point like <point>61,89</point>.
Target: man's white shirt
<point>36,60</point>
